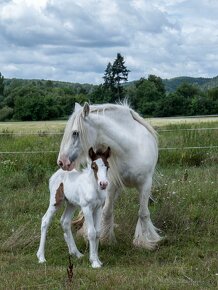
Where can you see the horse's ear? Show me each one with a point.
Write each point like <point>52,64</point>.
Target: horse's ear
<point>77,107</point>
<point>86,110</point>
<point>107,153</point>
<point>92,154</point>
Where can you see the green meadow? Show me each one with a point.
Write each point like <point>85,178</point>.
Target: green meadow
<point>185,209</point>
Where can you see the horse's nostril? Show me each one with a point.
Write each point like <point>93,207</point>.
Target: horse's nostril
<point>60,163</point>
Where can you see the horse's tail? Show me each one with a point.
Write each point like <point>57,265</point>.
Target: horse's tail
<point>140,120</point>
<point>79,221</point>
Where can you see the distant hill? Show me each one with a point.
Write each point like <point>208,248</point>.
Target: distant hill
<point>77,87</point>
<point>170,84</point>
<point>203,83</point>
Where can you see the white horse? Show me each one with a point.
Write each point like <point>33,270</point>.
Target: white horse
<point>134,148</point>
<point>86,189</point>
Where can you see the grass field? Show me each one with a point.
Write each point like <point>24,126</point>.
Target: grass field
<point>57,126</point>
<point>185,211</point>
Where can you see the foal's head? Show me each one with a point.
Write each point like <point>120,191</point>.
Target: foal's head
<point>100,166</point>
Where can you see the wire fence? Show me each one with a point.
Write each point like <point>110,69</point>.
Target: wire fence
<point>186,129</point>
<point>53,133</point>
<point>45,133</point>
<point>160,149</point>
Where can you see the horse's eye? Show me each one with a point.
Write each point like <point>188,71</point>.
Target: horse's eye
<point>75,133</point>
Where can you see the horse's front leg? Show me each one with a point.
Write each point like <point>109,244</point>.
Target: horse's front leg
<point>107,224</point>
<point>46,221</point>
<point>91,231</point>
<point>66,225</point>
<point>146,234</point>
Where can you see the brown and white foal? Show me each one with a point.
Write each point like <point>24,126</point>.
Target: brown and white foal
<point>87,190</point>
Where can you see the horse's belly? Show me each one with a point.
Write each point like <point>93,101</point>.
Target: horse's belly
<point>133,176</point>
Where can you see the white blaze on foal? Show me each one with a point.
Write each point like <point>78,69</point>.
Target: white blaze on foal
<point>86,189</point>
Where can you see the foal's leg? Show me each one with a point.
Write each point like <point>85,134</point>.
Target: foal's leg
<point>66,225</point>
<point>145,234</point>
<point>107,225</point>
<point>46,221</point>
<point>93,254</point>
<point>97,223</point>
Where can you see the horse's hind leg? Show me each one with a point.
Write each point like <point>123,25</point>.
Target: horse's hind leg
<point>66,225</point>
<point>146,234</point>
<point>46,221</point>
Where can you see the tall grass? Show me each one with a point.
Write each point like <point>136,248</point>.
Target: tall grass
<point>185,209</point>
<point>182,138</point>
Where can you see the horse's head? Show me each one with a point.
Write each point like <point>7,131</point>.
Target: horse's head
<point>100,166</point>
<point>75,142</point>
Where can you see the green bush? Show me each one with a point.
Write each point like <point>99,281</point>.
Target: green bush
<point>6,113</point>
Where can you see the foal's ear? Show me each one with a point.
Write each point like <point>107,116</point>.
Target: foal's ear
<point>107,153</point>
<point>92,154</point>
<point>86,110</point>
<point>77,107</point>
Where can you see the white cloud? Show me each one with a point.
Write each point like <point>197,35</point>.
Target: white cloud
<point>74,40</point>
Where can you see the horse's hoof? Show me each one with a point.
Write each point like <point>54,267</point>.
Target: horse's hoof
<point>142,243</point>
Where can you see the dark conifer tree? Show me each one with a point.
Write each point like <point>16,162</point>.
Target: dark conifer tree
<point>1,85</point>
<point>115,75</point>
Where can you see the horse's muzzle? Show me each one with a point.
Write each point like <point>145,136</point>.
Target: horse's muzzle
<point>65,164</point>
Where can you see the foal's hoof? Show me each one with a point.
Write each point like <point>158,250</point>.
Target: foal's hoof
<point>96,264</point>
<point>79,255</point>
<point>41,260</point>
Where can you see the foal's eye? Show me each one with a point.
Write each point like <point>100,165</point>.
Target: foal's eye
<point>75,133</point>
<point>94,166</point>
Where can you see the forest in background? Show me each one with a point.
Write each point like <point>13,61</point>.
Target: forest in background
<point>28,100</point>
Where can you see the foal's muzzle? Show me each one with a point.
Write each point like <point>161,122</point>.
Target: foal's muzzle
<point>103,184</point>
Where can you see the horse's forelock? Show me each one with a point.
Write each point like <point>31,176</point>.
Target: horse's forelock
<point>77,123</point>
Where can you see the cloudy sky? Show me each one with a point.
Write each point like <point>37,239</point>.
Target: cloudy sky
<point>74,40</point>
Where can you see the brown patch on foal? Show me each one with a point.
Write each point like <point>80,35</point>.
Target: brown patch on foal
<point>94,166</point>
<point>59,197</point>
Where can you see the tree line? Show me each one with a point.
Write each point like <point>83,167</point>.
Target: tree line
<point>46,100</point>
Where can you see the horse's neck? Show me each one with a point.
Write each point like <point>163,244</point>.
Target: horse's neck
<point>111,133</point>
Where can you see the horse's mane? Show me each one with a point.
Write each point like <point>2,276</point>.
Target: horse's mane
<point>77,119</point>
<point>135,115</point>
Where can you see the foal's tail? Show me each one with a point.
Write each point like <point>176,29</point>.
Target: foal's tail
<point>79,221</point>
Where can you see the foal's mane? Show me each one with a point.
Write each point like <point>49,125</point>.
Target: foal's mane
<point>77,120</point>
